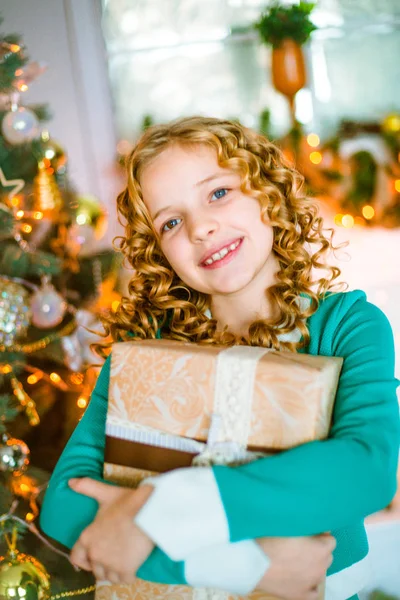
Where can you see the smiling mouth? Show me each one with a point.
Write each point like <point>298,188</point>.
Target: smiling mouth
<point>221,254</point>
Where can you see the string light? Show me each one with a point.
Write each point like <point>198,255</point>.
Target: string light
<point>15,200</point>
<point>313,140</point>
<point>368,212</point>
<point>347,221</point>
<point>26,228</point>
<point>82,402</point>
<point>55,377</point>
<point>397,185</point>
<point>315,157</point>
<point>19,214</point>
<point>38,215</point>
<point>40,344</point>
<point>338,219</point>
<point>6,369</point>
<point>81,218</point>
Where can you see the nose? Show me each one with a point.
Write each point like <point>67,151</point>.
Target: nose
<point>201,227</point>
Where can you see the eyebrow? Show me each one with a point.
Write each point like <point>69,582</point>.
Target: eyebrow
<point>211,177</point>
<point>198,184</point>
<point>158,213</point>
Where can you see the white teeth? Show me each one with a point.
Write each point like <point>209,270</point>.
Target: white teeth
<point>218,255</point>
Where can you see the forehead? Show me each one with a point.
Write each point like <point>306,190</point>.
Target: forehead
<point>178,166</point>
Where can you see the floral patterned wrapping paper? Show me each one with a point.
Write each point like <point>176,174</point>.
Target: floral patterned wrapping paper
<point>164,393</point>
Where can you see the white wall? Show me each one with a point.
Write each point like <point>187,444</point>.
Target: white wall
<point>66,35</point>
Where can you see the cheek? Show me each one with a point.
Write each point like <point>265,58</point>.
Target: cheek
<point>175,254</point>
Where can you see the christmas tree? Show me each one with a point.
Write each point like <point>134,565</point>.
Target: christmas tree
<point>51,279</point>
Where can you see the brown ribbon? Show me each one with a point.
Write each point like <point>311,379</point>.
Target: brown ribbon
<point>144,456</point>
<point>152,458</point>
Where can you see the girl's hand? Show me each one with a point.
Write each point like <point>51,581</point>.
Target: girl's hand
<point>298,566</point>
<point>112,546</point>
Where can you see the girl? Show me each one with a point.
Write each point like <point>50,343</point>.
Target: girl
<point>226,249</point>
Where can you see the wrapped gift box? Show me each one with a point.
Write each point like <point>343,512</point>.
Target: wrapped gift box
<point>170,402</point>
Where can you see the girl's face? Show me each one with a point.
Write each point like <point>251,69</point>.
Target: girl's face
<point>210,232</point>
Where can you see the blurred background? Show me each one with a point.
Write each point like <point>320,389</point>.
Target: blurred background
<point>80,80</point>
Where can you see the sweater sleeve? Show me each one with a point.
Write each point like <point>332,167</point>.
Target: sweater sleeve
<point>65,513</point>
<point>317,487</point>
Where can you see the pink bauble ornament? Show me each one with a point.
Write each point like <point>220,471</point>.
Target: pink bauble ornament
<point>48,306</point>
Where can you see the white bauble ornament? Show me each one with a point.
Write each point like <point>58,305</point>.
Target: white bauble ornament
<point>48,306</point>
<point>20,126</point>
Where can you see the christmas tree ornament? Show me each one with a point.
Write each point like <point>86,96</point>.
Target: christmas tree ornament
<point>391,123</point>
<point>47,305</point>
<point>47,198</point>
<point>49,151</point>
<point>14,455</point>
<point>23,577</point>
<point>89,224</point>
<point>20,126</point>
<point>15,312</point>
<point>15,184</point>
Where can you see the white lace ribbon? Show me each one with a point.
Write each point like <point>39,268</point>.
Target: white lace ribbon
<point>230,422</point>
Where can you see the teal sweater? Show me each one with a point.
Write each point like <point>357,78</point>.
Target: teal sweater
<point>321,486</point>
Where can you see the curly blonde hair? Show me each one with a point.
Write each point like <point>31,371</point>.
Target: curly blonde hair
<point>159,301</point>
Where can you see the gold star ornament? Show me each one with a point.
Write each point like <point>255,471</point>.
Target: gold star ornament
<point>16,184</point>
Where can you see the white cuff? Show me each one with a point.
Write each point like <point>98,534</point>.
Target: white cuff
<point>184,513</point>
<point>236,568</point>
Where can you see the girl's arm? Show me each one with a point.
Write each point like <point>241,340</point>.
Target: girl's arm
<point>65,514</point>
<point>320,486</point>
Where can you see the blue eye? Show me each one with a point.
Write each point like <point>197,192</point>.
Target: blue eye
<point>219,194</point>
<point>171,224</point>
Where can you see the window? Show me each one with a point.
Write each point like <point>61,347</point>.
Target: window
<point>169,58</point>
